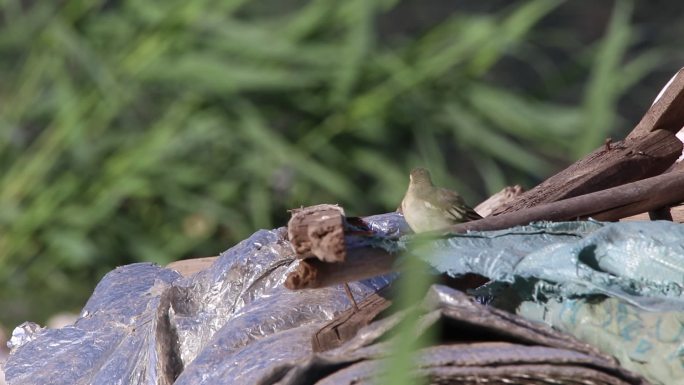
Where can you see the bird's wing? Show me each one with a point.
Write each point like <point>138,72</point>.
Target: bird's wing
<point>453,205</point>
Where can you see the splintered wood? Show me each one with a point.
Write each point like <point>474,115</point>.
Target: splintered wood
<point>318,230</point>
<point>317,234</point>
<point>502,198</point>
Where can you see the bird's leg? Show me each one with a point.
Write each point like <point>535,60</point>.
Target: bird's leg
<point>351,297</point>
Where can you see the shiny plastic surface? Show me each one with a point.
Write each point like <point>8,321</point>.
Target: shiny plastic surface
<point>232,323</point>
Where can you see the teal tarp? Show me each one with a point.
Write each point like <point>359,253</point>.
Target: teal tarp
<point>615,285</point>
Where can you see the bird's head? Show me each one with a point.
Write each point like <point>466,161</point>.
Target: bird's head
<point>420,176</point>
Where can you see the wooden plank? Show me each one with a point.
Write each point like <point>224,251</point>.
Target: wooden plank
<point>504,197</point>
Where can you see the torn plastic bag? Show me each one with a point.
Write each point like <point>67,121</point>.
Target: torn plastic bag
<point>228,324</point>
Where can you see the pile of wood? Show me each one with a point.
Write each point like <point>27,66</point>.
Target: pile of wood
<point>635,178</point>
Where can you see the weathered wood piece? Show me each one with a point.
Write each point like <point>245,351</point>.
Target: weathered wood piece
<point>647,151</point>
<point>667,113</point>
<point>606,205</point>
<point>344,326</point>
<point>361,263</point>
<point>626,161</point>
<point>318,230</point>
<point>502,198</point>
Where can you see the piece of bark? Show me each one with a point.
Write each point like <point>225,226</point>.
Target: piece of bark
<point>606,205</point>
<point>626,161</point>
<point>345,326</point>
<point>318,230</point>
<point>502,198</point>
<point>361,263</point>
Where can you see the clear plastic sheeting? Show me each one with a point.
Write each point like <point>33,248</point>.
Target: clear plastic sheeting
<point>116,340</point>
<point>235,323</point>
<point>230,324</point>
<point>242,321</point>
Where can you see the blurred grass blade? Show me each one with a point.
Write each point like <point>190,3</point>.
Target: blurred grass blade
<point>601,92</point>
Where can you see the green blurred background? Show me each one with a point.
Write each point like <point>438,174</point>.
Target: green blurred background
<point>156,130</point>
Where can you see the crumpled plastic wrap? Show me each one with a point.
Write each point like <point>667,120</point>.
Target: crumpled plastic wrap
<point>639,262</point>
<point>617,286</point>
<point>115,341</point>
<point>482,345</point>
<point>230,324</point>
<point>235,323</point>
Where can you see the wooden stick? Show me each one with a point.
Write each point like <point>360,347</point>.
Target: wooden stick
<point>360,264</point>
<point>606,205</point>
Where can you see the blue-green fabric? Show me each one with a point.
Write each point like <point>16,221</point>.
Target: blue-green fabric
<point>617,286</point>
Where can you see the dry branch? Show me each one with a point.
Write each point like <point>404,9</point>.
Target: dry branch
<point>626,161</point>
<point>361,263</point>
<point>606,205</point>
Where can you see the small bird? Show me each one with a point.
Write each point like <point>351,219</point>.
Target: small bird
<point>427,207</point>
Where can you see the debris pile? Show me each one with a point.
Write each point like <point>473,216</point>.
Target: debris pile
<point>543,289</point>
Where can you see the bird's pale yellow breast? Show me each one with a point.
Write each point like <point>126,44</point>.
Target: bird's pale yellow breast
<point>422,216</point>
